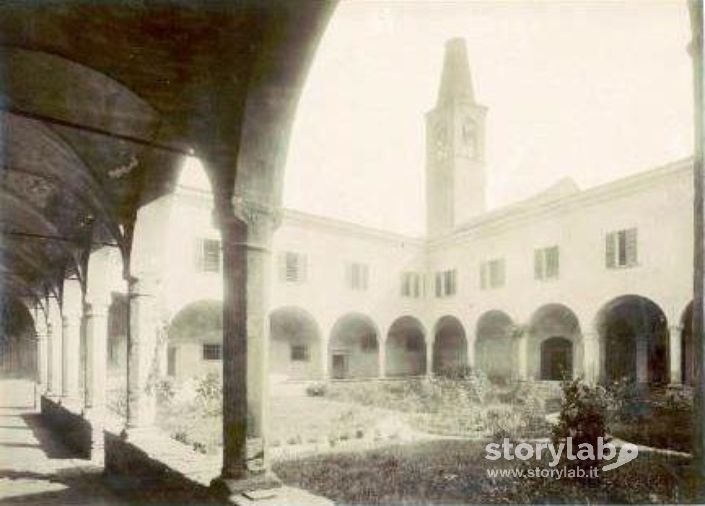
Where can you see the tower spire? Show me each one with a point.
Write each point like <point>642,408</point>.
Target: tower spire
<point>456,83</point>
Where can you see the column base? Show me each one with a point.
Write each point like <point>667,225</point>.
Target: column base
<point>71,404</point>
<point>250,487</point>
<point>132,433</point>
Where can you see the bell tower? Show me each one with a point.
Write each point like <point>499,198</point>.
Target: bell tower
<point>455,147</point>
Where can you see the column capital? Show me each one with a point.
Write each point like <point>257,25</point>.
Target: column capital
<point>590,336</point>
<point>255,220</point>
<point>96,308</point>
<point>256,214</point>
<point>68,317</point>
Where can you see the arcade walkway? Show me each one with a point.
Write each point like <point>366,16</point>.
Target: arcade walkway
<point>35,468</point>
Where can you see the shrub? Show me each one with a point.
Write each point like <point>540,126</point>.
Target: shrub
<point>582,417</point>
<point>458,372</point>
<point>209,393</point>
<point>164,389</point>
<point>318,389</point>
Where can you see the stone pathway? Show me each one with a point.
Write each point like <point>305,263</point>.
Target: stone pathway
<point>34,467</point>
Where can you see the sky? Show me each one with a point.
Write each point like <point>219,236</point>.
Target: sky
<point>592,90</point>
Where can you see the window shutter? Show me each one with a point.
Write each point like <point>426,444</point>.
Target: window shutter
<point>483,275</point>
<point>366,277</point>
<point>538,265</point>
<point>610,247</point>
<point>622,248</point>
<point>439,284</point>
<point>500,272</point>
<point>631,245</point>
<point>404,284</point>
<point>552,262</point>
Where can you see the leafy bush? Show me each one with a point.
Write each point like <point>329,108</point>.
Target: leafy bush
<point>164,390</point>
<point>459,372</point>
<point>209,393</point>
<point>662,418</point>
<point>582,417</point>
<point>318,389</point>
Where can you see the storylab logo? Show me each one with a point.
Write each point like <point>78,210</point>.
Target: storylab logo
<point>554,453</point>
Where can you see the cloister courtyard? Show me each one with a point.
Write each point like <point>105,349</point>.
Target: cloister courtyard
<point>494,242</point>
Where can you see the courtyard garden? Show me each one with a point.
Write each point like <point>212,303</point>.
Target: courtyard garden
<point>377,412</point>
<point>455,472</point>
<point>660,418</point>
<point>424,441</point>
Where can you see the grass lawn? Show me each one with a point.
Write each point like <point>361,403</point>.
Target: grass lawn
<point>292,421</point>
<point>659,427</point>
<point>454,472</point>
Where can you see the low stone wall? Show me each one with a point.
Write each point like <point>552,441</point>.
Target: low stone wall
<point>154,465</point>
<point>72,428</point>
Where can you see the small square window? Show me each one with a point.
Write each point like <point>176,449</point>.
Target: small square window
<point>299,353</point>
<point>212,352</point>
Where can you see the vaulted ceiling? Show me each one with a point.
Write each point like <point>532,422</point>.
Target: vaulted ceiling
<point>99,102</point>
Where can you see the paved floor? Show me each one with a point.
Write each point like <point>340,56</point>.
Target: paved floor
<point>34,467</point>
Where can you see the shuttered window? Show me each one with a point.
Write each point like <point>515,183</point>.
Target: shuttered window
<point>357,276</point>
<point>411,284</point>
<point>292,267</point>
<point>546,263</point>
<point>492,274</point>
<point>621,248</point>
<point>207,255</point>
<point>446,283</point>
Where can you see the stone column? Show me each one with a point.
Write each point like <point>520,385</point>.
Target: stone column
<point>246,230</point>
<point>42,330</point>
<point>96,328</point>
<point>325,359</point>
<point>591,357</point>
<point>142,353</point>
<point>523,356</point>
<point>71,312</point>
<point>471,352</point>
<point>382,358</point>
<point>54,348</point>
<point>429,357</point>
<point>642,359</point>
<point>674,353</point>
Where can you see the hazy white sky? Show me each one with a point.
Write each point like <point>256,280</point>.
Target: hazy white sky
<point>591,90</point>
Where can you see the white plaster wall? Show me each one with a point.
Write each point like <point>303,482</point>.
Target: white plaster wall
<point>658,203</point>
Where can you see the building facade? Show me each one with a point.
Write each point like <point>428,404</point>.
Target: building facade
<point>593,283</point>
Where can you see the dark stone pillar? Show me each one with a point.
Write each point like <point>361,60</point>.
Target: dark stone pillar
<point>246,230</point>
